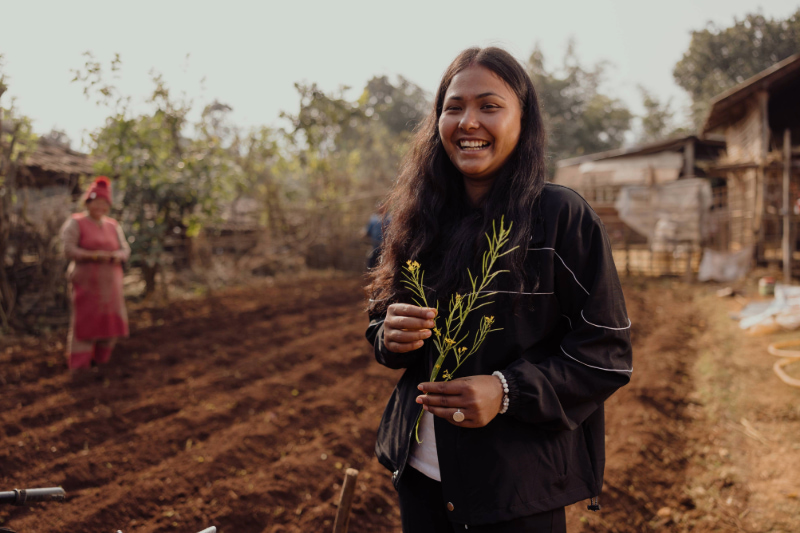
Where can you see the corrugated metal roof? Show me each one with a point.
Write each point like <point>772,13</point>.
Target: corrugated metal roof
<point>643,149</point>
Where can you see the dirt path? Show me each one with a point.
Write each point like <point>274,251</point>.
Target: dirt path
<point>243,411</point>
<point>649,433</point>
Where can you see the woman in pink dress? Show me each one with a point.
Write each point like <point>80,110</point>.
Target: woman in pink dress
<point>97,248</point>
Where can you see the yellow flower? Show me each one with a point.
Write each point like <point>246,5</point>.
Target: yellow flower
<point>449,341</point>
<point>489,320</point>
<point>412,266</point>
<point>446,375</point>
<point>462,349</point>
<point>437,332</point>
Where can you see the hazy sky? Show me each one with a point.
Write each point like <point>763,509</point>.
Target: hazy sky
<point>251,53</point>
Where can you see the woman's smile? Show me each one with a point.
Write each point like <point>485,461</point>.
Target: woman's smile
<point>473,146</point>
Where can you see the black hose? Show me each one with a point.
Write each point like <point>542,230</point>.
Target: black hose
<point>21,497</point>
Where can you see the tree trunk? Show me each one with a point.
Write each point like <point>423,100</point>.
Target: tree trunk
<point>149,275</point>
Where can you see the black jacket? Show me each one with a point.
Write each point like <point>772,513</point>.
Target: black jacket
<point>563,352</point>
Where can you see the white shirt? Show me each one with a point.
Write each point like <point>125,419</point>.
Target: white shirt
<point>423,456</point>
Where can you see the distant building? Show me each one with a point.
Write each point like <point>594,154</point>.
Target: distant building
<point>54,164</point>
<point>749,142</point>
<point>755,117</point>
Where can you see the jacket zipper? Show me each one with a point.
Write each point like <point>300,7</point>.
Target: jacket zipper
<point>594,504</point>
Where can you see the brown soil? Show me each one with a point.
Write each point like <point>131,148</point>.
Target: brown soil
<point>243,410</point>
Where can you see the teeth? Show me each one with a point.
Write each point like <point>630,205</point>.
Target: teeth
<point>473,144</point>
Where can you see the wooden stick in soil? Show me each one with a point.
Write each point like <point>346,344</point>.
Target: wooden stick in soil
<point>342,521</point>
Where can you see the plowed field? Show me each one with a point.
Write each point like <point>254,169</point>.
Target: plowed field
<point>243,411</point>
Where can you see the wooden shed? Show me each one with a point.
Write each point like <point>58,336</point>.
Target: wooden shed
<point>760,120</point>
<point>600,177</point>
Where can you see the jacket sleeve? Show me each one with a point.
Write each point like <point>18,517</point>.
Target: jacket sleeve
<point>382,355</point>
<point>594,358</point>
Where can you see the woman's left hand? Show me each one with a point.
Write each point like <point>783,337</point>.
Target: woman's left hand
<point>479,398</point>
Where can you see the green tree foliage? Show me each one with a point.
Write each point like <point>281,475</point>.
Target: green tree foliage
<point>175,176</point>
<point>347,145</point>
<point>256,155</point>
<point>170,182</point>
<point>720,58</point>
<point>17,140</point>
<point>580,118</point>
<point>400,107</point>
<point>340,151</point>
<point>658,122</point>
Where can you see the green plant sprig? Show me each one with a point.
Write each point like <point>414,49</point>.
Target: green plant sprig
<point>450,339</point>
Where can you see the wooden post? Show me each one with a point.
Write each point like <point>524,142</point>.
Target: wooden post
<point>627,235</point>
<point>759,185</point>
<point>688,158</point>
<point>787,208</point>
<point>342,521</point>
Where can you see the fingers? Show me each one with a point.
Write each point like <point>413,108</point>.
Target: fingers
<point>404,341</point>
<point>436,400</point>
<point>399,341</point>
<point>409,310</point>
<point>447,414</point>
<point>457,386</point>
<point>474,396</point>
<point>404,322</point>
<point>406,327</point>
<point>452,400</point>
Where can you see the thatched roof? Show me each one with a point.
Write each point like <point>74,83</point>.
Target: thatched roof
<point>53,154</point>
<point>59,159</point>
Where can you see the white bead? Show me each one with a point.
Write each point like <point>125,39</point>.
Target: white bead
<point>504,383</point>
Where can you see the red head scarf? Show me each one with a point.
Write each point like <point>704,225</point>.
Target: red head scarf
<point>101,188</point>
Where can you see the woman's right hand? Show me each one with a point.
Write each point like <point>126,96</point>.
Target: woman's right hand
<point>406,327</point>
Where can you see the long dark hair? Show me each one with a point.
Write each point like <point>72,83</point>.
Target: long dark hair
<point>431,218</point>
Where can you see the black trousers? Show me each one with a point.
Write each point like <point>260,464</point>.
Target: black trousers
<point>422,509</point>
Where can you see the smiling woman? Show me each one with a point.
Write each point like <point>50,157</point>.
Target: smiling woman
<point>505,447</point>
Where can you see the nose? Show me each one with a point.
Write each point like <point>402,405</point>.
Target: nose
<point>468,121</point>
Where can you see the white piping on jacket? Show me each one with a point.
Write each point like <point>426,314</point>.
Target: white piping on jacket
<point>494,292</point>
<point>596,367</point>
<point>565,266</point>
<point>584,290</point>
<point>515,292</point>
<point>604,327</point>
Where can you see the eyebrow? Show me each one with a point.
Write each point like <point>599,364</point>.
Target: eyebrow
<point>482,95</point>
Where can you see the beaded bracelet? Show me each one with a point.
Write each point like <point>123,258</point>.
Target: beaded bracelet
<point>503,382</point>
